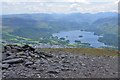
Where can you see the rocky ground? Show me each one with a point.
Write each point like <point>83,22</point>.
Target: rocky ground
<point>27,62</point>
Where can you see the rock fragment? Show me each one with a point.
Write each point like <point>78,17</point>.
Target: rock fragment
<point>5,66</point>
<point>13,61</point>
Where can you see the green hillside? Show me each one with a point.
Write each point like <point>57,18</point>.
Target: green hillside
<point>35,28</point>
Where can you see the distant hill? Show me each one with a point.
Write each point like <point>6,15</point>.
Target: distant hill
<point>41,25</point>
<point>108,28</point>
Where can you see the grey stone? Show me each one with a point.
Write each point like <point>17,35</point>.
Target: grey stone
<point>65,69</point>
<point>12,61</point>
<point>5,66</point>
<point>28,63</point>
<point>7,48</point>
<point>4,56</point>
<point>11,57</point>
<point>20,53</point>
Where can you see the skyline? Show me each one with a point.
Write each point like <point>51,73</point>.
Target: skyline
<point>63,6</point>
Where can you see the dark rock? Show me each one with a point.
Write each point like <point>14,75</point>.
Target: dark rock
<point>42,56</point>
<point>56,61</point>
<point>11,57</point>
<point>65,65</point>
<point>66,61</point>
<point>41,69</point>
<point>18,48</point>
<point>74,69</point>
<point>106,70</point>
<point>13,61</point>
<point>6,55</point>
<point>53,72</point>
<point>32,55</point>
<point>27,47</point>
<point>48,55</point>
<point>5,66</point>
<point>14,50</point>
<point>33,66</point>
<point>62,56</point>
<point>7,48</point>
<point>45,54</point>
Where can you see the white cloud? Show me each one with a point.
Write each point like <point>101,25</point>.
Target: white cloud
<point>82,1</point>
<point>68,6</point>
<point>76,1</point>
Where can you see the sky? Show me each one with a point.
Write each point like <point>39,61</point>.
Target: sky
<point>58,6</point>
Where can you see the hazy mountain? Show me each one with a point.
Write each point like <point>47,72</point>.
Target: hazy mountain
<point>43,25</point>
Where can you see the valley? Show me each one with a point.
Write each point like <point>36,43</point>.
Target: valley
<point>39,29</point>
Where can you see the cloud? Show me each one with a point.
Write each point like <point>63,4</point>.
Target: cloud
<point>81,1</point>
<point>67,6</point>
<point>76,1</point>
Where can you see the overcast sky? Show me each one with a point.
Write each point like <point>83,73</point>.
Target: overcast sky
<point>58,6</point>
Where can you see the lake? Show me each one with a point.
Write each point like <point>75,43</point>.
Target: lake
<point>83,36</point>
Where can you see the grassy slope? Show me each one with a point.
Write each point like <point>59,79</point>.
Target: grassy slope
<point>86,51</point>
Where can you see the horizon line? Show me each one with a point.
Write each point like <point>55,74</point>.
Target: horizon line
<point>56,13</point>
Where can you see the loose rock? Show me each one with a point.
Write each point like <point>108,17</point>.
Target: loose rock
<point>13,61</point>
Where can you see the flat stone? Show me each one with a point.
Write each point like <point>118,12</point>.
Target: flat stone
<point>53,72</point>
<point>13,61</point>
<point>28,63</point>
<point>11,57</point>
<point>48,55</point>
<point>66,61</point>
<point>4,56</point>
<point>5,66</point>
<point>21,53</point>
<point>65,69</point>
<point>65,65</point>
<point>41,69</point>
<point>82,64</point>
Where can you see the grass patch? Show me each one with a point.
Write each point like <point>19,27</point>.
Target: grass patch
<point>86,51</point>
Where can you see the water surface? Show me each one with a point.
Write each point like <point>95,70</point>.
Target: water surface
<point>86,37</point>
